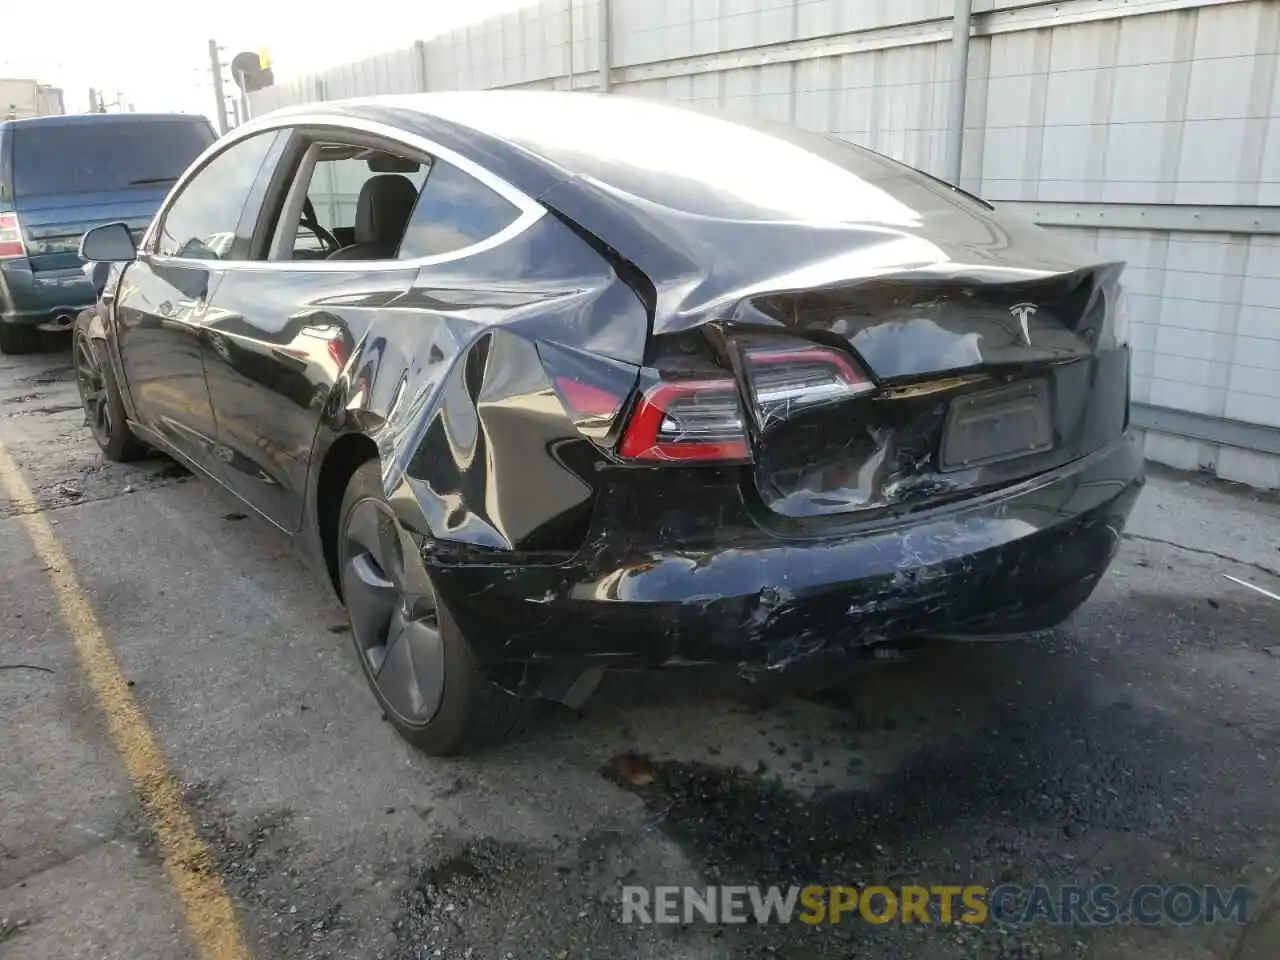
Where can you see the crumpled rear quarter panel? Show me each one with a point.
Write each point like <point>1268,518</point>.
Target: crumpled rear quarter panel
<point>477,450</point>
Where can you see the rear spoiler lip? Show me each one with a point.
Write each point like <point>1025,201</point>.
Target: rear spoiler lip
<point>975,274</point>
<point>898,348</point>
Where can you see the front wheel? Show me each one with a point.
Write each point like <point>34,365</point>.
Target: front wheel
<point>419,665</point>
<point>100,398</point>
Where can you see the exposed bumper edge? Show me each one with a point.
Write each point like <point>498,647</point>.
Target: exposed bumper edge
<point>1019,560</point>
<point>39,299</point>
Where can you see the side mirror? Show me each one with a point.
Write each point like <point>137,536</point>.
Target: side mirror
<point>109,243</point>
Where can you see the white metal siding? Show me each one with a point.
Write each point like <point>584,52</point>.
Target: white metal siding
<point>1110,114</point>
<point>27,98</point>
<point>19,99</point>
<point>50,101</point>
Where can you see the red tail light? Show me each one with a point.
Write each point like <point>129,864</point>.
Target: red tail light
<point>787,378</point>
<point>701,420</point>
<point>687,420</point>
<point>11,244</point>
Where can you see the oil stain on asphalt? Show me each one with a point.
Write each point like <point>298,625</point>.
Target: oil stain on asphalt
<point>61,374</point>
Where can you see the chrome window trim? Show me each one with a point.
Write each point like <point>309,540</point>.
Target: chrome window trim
<point>530,210</point>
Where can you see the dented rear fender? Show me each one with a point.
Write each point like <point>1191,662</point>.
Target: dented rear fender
<point>453,381</point>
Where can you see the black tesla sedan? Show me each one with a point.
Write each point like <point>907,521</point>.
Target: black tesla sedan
<point>554,383</point>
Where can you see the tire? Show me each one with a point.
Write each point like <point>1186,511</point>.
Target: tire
<point>16,338</point>
<point>100,398</point>
<point>388,593</point>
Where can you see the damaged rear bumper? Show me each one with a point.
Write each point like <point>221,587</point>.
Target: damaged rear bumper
<point>1020,559</point>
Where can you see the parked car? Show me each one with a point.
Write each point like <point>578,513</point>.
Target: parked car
<point>599,382</point>
<point>61,175</point>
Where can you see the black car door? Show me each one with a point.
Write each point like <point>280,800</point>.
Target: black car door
<point>282,332</point>
<point>279,331</point>
<point>162,302</point>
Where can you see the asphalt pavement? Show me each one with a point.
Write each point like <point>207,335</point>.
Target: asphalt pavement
<point>1137,744</point>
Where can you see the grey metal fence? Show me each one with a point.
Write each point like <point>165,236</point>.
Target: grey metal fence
<point>1149,129</point>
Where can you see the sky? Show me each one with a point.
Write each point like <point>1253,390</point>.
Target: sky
<point>156,53</point>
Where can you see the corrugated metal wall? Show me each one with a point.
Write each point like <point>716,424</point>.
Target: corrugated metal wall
<point>1149,129</point>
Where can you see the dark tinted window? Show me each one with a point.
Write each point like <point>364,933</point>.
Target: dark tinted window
<point>84,157</point>
<point>454,211</point>
<point>201,224</point>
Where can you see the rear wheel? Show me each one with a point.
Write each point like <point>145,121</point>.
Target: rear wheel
<point>18,338</point>
<point>418,663</point>
<point>100,398</point>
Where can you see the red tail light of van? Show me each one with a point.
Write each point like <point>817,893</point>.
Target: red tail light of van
<point>11,244</point>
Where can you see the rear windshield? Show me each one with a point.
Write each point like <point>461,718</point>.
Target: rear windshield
<point>91,157</point>
<point>699,162</point>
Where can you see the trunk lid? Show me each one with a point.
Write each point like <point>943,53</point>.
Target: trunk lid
<point>973,385</point>
<point>962,385</point>
<point>915,325</point>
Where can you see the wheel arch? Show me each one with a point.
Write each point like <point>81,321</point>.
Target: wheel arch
<point>343,458</point>
<point>95,323</point>
<point>90,321</point>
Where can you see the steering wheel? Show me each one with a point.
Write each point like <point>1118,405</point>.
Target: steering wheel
<point>328,239</point>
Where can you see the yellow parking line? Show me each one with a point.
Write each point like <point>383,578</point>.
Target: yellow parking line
<point>210,917</point>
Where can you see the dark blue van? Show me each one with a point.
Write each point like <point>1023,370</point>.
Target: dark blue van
<point>59,176</point>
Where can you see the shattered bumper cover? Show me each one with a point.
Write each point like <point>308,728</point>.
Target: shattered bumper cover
<point>1019,559</point>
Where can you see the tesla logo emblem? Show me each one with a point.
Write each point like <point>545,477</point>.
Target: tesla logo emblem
<point>1024,312</point>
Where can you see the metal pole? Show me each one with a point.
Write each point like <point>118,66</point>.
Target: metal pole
<point>235,113</point>
<point>604,50</point>
<point>570,44</point>
<point>424,83</point>
<point>245,114</point>
<point>219,95</point>
<point>959,84</point>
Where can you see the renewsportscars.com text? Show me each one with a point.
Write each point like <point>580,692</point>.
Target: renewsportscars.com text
<point>1100,905</point>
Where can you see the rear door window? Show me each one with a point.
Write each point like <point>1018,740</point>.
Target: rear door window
<point>336,176</point>
<point>335,189</point>
<point>99,157</point>
<point>454,211</point>
<point>417,207</point>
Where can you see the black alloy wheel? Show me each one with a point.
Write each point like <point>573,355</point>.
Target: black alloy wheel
<point>394,622</point>
<point>419,665</point>
<point>93,390</point>
<point>100,398</point>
